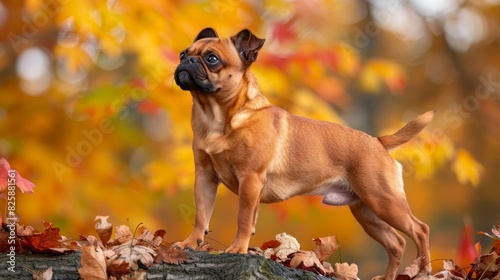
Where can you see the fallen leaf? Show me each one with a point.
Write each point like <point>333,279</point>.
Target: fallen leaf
<point>344,271</point>
<point>453,269</point>
<point>123,235</point>
<point>270,244</point>
<point>170,255</point>
<point>487,265</point>
<point>325,246</point>
<point>307,260</point>
<point>328,268</point>
<point>43,275</point>
<point>91,240</point>
<point>134,253</point>
<point>48,241</point>
<point>149,239</point>
<point>23,230</point>
<point>160,233</point>
<point>410,271</point>
<point>103,228</point>
<point>117,267</point>
<point>93,263</point>
<point>288,246</point>
<point>496,247</point>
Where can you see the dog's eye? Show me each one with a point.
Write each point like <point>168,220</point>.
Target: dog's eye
<point>182,55</point>
<point>212,59</point>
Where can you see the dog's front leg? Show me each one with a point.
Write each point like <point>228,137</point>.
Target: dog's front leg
<point>249,192</point>
<point>205,192</point>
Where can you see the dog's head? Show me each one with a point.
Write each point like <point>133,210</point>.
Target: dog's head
<point>212,64</point>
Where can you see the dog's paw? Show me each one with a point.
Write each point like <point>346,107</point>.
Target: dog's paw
<point>188,244</point>
<point>234,248</point>
<point>380,277</point>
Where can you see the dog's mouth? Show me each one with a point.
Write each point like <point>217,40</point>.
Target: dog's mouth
<point>192,79</point>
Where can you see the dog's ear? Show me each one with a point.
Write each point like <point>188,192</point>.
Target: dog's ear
<point>248,45</point>
<point>208,32</point>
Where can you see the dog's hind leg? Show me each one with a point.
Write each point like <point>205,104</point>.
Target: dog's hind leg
<point>382,232</point>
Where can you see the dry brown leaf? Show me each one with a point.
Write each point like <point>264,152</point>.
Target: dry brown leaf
<point>93,263</point>
<point>328,268</point>
<point>70,243</point>
<point>103,228</point>
<point>160,233</point>
<point>344,271</point>
<point>148,239</point>
<point>451,271</point>
<point>288,246</point>
<point>410,271</point>
<point>134,253</point>
<point>307,260</point>
<point>91,240</point>
<point>170,255</point>
<point>117,267</point>
<point>123,234</point>
<point>23,230</point>
<point>325,246</point>
<point>43,275</point>
<point>488,266</point>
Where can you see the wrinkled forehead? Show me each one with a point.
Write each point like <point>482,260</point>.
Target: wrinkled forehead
<point>220,46</point>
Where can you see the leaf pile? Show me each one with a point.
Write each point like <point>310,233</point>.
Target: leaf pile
<point>484,267</point>
<point>28,239</point>
<point>125,255</point>
<point>286,250</point>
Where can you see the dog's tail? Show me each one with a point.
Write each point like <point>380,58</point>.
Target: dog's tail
<point>406,133</point>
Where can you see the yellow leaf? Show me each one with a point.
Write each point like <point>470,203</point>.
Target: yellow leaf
<point>466,168</point>
<point>369,80</point>
<point>376,71</point>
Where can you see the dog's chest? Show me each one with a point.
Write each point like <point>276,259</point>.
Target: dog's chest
<point>225,171</point>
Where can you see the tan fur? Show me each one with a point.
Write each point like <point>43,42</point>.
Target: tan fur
<point>263,154</point>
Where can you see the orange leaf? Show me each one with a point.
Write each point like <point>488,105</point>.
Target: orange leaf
<point>93,263</point>
<point>48,241</point>
<point>307,260</point>
<point>325,247</point>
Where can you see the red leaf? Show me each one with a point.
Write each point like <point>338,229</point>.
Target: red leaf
<point>467,251</point>
<point>283,31</point>
<point>270,244</point>
<point>24,185</point>
<point>48,241</point>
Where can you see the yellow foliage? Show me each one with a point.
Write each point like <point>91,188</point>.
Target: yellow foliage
<point>466,168</point>
<point>377,71</point>
<point>425,155</point>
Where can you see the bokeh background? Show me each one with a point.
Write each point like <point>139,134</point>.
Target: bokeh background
<point>90,113</point>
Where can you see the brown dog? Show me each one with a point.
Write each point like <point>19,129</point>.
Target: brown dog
<point>263,154</point>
